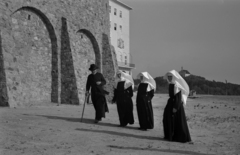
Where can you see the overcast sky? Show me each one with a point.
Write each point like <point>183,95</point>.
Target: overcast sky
<point>202,36</point>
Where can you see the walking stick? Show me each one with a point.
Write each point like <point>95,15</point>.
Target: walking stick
<point>85,100</point>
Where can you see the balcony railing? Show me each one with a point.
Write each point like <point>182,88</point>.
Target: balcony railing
<point>124,64</point>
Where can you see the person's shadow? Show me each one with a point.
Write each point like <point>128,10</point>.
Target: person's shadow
<point>121,134</point>
<point>100,123</point>
<point>83,120</point>
<point>91,121</point>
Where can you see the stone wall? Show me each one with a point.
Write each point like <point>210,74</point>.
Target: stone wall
<point>47,46</point>
<point>110,63</point>
<point>3,84</point>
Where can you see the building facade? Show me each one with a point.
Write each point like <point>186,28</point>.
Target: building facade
<point>46,48</point>
<point>120,34</point>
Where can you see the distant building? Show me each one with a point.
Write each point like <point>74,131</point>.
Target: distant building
<point>120,34</point>
<point>184,73</point>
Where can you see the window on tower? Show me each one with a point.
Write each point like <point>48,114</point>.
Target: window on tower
<point>115,26</point>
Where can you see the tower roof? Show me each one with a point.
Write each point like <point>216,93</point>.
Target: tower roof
<point>122,4</point>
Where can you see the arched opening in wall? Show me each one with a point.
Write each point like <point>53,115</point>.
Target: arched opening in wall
<point>33,75</point>
<point>85,52</point>
<point>94,45</point>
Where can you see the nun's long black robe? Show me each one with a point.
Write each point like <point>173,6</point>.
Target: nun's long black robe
<point>144,107</point>
<point>175,124</point>
<point>123,99</point>
<point>97,94</point>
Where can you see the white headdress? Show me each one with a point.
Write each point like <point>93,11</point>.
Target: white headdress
<point>147,78</point>
<point>180,84</point>
<point>124,77</point>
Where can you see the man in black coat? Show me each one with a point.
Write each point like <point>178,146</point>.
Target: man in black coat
<point>96,81</point>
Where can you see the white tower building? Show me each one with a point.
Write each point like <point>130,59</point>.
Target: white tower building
<point>120,34</point>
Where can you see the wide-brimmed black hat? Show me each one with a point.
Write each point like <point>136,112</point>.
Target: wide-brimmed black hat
<point>93,67</point>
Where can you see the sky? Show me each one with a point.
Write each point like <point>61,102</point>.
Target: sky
<point>202,36</point>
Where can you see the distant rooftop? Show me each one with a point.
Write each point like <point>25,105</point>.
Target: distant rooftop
<point>122,4</point>
<point>184,71</point>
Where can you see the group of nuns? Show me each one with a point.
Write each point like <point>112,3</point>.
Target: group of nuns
<point>174,119</point>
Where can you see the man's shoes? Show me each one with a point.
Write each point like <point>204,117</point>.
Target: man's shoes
<point>142,129</point>
<point>97,120</point>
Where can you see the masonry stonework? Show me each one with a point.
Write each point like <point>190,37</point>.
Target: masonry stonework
<point>46,48</point>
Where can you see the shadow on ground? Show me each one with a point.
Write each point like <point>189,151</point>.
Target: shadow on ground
<point>122,134</point>
<point>91,121</point>
<point>84,120</point>
<point>159,150</point>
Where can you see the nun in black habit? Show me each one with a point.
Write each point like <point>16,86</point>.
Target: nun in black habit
<point>96,81</point>
<point>174,118</point>
<point>145,94</point>
<point>123,93</point>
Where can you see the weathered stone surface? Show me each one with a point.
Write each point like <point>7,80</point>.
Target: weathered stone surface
<point>3,84</point>
<point>68,78</point>
<point>47,47</point>
<point>108,65</point>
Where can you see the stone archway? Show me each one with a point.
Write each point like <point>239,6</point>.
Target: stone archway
<point>95,46</point>
<point>54,50</point>
<point>76,57</point>
<point>86,52</point>
<point>32,64</point>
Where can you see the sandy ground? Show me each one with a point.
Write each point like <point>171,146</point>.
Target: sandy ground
<point>214,124</point>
